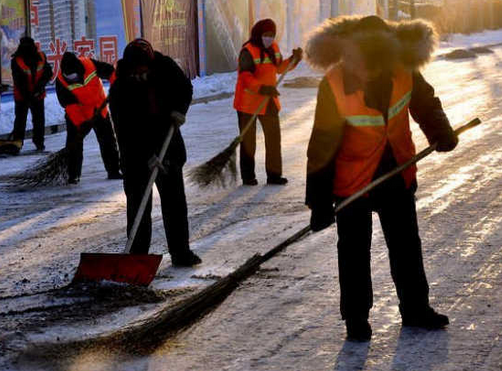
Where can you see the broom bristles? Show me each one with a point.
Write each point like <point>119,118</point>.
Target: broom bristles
<point>217,171</point>
<point>52,170</point>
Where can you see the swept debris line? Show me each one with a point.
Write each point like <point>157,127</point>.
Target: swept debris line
<point>144,337</point>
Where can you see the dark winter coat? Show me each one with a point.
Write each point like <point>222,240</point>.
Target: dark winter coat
<point>141,111</point>
<point>20,79</point>
<point>414,42</point>
<point>103,70</point>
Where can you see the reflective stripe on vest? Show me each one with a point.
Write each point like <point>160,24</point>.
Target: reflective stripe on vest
<point>89,94</point>
<point>399,106</point>
<point>266,59</point>
<point>379,120</point>
<point>87,80</point>
<point>248,100</point>
<point>366,133</point>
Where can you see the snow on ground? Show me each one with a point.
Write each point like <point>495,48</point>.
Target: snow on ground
<point>468,41</point>
<point>285,317</point>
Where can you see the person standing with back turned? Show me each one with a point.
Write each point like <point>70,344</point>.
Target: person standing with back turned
<point>361,131</point>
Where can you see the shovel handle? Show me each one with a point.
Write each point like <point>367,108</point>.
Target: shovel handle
<point>146,195</point>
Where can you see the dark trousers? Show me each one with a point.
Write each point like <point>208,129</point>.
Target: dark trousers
<point>173,202</point>
<point>107,145</point>
<point>36,106</point>
<point>395,206</point>
<point>272,133</point>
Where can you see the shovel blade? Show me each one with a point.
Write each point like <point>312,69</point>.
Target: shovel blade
<point>126,268</point>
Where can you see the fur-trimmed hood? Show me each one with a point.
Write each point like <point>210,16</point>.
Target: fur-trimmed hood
<point>409,43</point>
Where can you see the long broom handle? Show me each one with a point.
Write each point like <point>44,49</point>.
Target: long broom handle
<point>265,101</point>
<point>146,195</point>
<point>369,187</point>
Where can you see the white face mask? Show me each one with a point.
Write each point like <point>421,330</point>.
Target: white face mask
<point>71,77</point>
<point>267,41</point>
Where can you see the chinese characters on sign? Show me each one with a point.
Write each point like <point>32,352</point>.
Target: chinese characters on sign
<point>84,47</point>
<point>34,13</point>
<point>108,46</point>
<point>58,48</point>
<point>108,51</point>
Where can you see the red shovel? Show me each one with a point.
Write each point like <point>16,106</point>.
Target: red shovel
<point>127,268</point>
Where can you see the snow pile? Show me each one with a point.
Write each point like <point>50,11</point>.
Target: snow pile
<point>469,41</point>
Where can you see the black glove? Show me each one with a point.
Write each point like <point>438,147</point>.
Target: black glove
<point>269,90</point>
<point>448,143</point>
<point>178,118</point>
<point>322,217</point>
<point>298,54</point>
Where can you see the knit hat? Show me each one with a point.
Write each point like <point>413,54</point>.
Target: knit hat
<point>70,64</point>
<point>27,48</point>
<point>138,52</point>
<point>265,25</point>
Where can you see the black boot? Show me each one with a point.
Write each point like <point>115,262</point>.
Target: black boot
<point>358,329</point>
<point>73,180</point>
<point>427,318</point>
<point>250,182</point>
<point>277,180</point>
<point>115,175</point>
<point>185,259</point>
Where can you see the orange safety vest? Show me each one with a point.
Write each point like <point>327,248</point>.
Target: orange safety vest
<point>90,95</point>
<point>30,78</point>
<point>247,99</point>
<point>366,134</point>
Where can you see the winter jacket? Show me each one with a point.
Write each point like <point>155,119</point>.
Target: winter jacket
<point>30,78</point>
<point>368,132</point>
<point>141,111</point>
<point>67,98</point>
<point>415,40</point>
<point>88,93</point>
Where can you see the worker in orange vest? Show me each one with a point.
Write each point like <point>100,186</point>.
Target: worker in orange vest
<point>30,72</point>
<point>260,61</point>
<point>80,92</point>
<point>361,131</point>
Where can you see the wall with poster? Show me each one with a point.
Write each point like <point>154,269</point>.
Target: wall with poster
<point>294,19</point>
<point>90,28</point>
<point>360,7</point>
<point>227,28</point>
<point>12,28</point>
<point>228,25</point>
<point>171,27</point>
<point>132,19</point>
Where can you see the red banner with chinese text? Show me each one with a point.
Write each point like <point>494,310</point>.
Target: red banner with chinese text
<point>171,27</point>
<point>132,19</point>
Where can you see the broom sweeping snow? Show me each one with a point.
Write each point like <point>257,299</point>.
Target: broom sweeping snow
<point>50,171</point>
<point>217,170</point>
